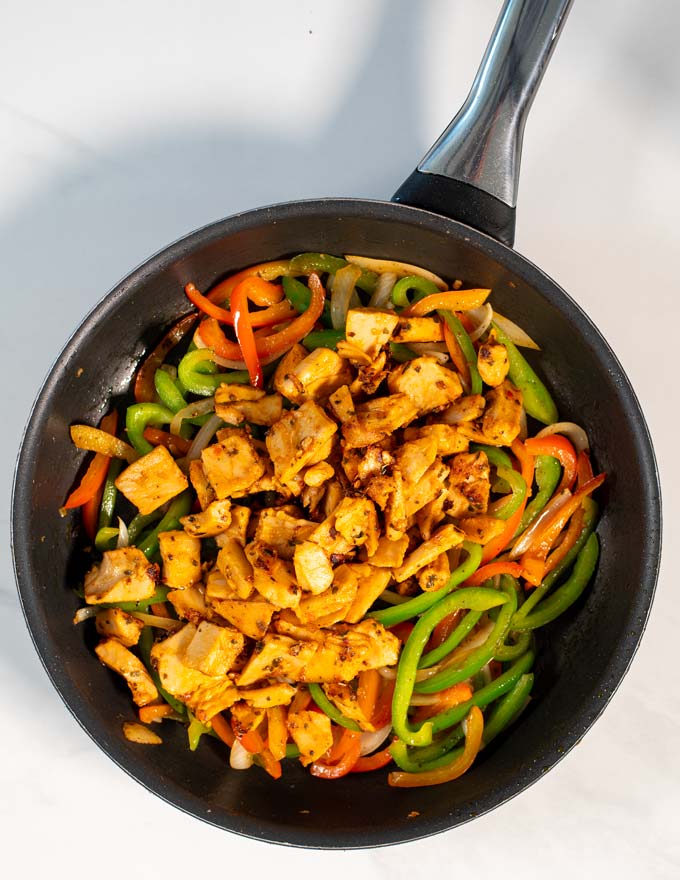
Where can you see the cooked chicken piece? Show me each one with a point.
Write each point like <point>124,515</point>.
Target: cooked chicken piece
<point>250,616</point>
<point>429,385</point>
<point>431,514</point>
<point>138,733</point>
<point>287,365</point>
<point>377,419</point>
<point>273,576</point>
<point>229,393</point>
<point>340,657</point>
<point>370,329</point>
<point>288,624</point>
<point>345,699</point>
<point>357,521</point>
<point>396,517</point>
<point>331,541</point>
<point>414,457</point>
<point>492,361</point>
<point>300,438</point>
<point>418,330</point>
<point>316,377</point>
<point>181,555</point>
<point>467,409</point>
<point>264,411</point>
<point>444,539</point>
<point>312,734</point>
<point>370,376</point>
<point>152,480</point>
<point>124,575</point>
<point>205,695</point>
<point>352,353</point>
<point>371,583</point>
<point>431,486</point>
<point>245,717</point>
<point>235,568</point>
<point>204,491</point>
<point>318,474</point>
<point>237,528</point>
<point>284,532</point>
<point>114,623</point>
<point>503,414</point>
<point>361,465</point>
<point>268,696</point>
<point>389,554</point>
<point>379,489</point>
<point>313,568</point>
<point>333,495</point>
<point>331,605</point>
<point>435,575</point>
<point>213,649</point>
<point>233,464</point>
<point>449,439</point>
<point>341,404</point>
<point>211,521</point>
<point>190,604</point>
<point>121,660</point>
<point>481,529</point>
<point>469,484</point>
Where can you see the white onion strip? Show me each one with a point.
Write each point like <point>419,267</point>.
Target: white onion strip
<point>399,268</point>
<point>341,294</point>
<point>198,408</point>
<point>240,758</point>
<point>157,621</point>
<point>574,432</point>
<point>437,350</point>
<point>85,613</point>
<point>382,296</point>
<point>372,740</point>
<point>205,434</point>
<point>524,541</point>
<point>514,332</point>
<point>482,318</point>
<point>123,536</point>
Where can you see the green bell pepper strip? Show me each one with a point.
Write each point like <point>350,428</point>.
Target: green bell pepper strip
<point>496,456</point>
<point>536,397</point>
<point>322,701</point>
<point>454,639</point>
<point>292,751</point>
<point>180,506</point>
<point>518,488</point>
<point>419,604</point>
<point>590,510</point>
<point>480,656</point>
<point>109,495</point>
<point>300,297</point>
<point>145,645</point>
<point>565,596</point>
<point>323,339</point>
<point>413,763</point>
<point>422,286</point>
<point>490,692</point>
<point>168,391</point>
<point>195,730</point>
<point>106,539</point>
<point>507,653</point>
<point>466,347</point>
<point>203,380</point>
<point>414,758</point>
<point>474,598</point>
<point>548,472</point>
<point>138,417</point>
<point>401,353</point>
<point>508,708</point>
<point>305,264</point>
<point>140,522</point>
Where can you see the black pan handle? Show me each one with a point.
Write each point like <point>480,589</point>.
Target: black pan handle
<point>471,174</point>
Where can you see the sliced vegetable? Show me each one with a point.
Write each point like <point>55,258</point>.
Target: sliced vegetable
<point>144,381</point>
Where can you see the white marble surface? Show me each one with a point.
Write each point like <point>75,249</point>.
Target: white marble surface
<point>122,126</point>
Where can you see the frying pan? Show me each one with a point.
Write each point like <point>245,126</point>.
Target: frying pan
<point>455,215</point>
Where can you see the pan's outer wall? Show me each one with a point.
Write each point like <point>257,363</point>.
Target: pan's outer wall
<point>584,656</point>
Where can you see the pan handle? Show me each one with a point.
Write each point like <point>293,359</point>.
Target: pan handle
<point>472,172</point>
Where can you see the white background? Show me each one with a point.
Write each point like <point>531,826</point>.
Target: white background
<point>124,125</point>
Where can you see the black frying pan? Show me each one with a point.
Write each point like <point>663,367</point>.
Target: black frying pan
<point>471,175</point>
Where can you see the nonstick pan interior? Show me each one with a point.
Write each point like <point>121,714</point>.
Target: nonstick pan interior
<point>582,657</point>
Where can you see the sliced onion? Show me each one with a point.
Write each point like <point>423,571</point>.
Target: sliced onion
<point>240,758</point>
<point>157,621</point>
<point>574,432</point>
<point>382,296</point>
<point>483,316</point>
<point>85,613</point>
<point>401,270</point>
<point>198,408</point>
<point>437,350</point>
<point>388,672</point>
<point>342,293</point>
<point>205,434</point>
<point>372,740</point>
<point>123,536</point>
<point>524,541</point>
<point>514,332</point>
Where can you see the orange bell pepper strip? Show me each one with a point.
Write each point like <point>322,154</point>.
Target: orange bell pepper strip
<point>584,468</point>
<point>270,763</point>
<point>448,300</point>
<point>266,271</point>
<point>493,548</point>
<point>244,333</point>
<point>349,748</point>
<point>145,390</point>
<point>275,314</point>
<point>149,714</point>
<point>456,353</point>
<point>453,696</point>
<point>491,570</point>
<point>372,762</point>
<point>367,691</point>
<point>473,741</point>
<point>223,729</point>
<point>570,538</point>
<point>251,741</point>
<point>382,714</point>
<point>560,448</point>
<point>175,445</point>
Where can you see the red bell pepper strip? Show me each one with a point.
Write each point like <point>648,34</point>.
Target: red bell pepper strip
<point>372,762</point>
<point>382,713</point>
<point>90,512</point>
<point>349,748</point>
<point>244,333</point>
<point>560,448</point>
<point>174,444</point>
<point>493,548</point>
<point>584,468</point>
<point>145,390</point>
<point>491,570</point>
<point>275,314</point>
<point>267,271</point>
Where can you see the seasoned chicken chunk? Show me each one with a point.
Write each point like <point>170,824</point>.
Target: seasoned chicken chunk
<point>492,361</point>
<point>414,457</point>
<point>300,438</point>
<point>448,437</point>
<point>341,404</point>
<point>268,696</point>
<point>152,480</point>
<point>315,377</point>
<point>418,330</point>
<point>250,616</point>
<point>466,409</point>
<point>232,465</point>
<point>287,365</point>
<point>345,699</point>
<point>181,555</point>
<point>204,491</point>
<point>282,530</point>
<point>389,554</point>
<point>444,539</point>
<point>237,528</point>
<point>211,521</point>
<point>313,568</point>
<point>264,411</point>
<point>190,604</point>
<point>121,660</point>
<point>114,623</point>
<point>235,568</point>
<point>370,329</point>
<point>272,576</point>
<point>432,485</point>
<point>503,414</point>
<point>435,575</point>
<point>481,529</point>
<point>213,649</point>
<point>429,385</point>
<point>311,733</point>
<point>371,581</point>
<point>331,605</point>
<point>469,484</point>
<point>124,575</point>
<point>318,474</point>
<point>357,522</point>
<point>377,419</point>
